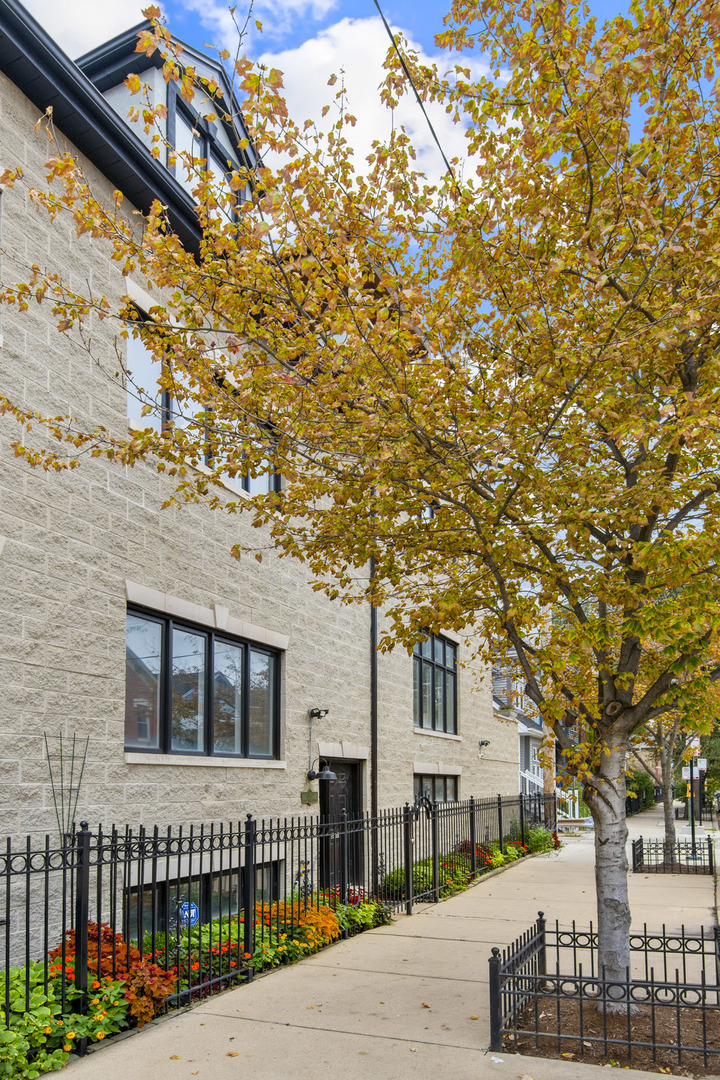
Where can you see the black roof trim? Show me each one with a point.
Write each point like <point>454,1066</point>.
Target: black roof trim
<point>34,62</point>
<point>112,62</point>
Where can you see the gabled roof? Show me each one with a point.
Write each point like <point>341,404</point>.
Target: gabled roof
<point>110,64</point>
<point>531,725</point>
<point>35,63</point>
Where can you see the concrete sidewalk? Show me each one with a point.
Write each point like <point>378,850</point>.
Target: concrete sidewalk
<point>406,1000</point>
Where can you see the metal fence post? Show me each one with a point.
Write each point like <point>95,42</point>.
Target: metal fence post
<point>82,915</point>
<point>500,821</point>
<point>473,841</point>
<point>635,854</point>
<point>522,818</point>
<point>542,951</point>
<point>435,842</point>
<point>344,857</point>
<point>248,898</point>
<point>408,845</point>
<point>495,1007</point>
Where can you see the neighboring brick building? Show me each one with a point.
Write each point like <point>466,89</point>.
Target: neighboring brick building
<point>100,588</point>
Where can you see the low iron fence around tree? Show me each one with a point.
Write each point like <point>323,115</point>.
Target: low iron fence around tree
<point>682,857</point>
<point>549,996</point>
<point>210,905</point>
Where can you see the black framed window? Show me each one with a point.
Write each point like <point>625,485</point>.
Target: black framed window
<point>192,690</point>
<point>436,788</point>
<point>263,483</point>
<point>216,895</point>
<point>194,141</point>
<point>435,685</point>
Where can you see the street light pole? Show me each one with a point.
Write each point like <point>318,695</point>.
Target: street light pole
<point>692,804</point>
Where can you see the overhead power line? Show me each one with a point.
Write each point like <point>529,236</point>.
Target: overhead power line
<point>419,100</point>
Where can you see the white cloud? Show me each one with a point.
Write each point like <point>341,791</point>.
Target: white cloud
<point>79,25</point>
<point>278,16</point>
<point>358,47</point>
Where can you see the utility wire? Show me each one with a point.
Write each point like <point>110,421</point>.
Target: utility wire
<point>419,100</point>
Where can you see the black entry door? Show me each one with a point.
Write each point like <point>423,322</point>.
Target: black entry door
<point>341,853</point>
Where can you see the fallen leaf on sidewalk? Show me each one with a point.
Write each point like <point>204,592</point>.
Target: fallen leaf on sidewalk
<point>413,1049</point>
<point>175,1057</point>
<point>524,1076</point>
<point>425,1005</point>
<point>233,1053</point>
<point>570,1056</point>
<point>474,1016</point>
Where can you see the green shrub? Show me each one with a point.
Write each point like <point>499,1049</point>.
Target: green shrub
<point>539,839</point>
<point>641,785</point>
<point>24,1050</point>
<point>355,917</point>
<point>383,914</point>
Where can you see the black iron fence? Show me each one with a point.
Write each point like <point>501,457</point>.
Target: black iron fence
<point>548,994</point>
<point>682,857</point>
<point>707,814</point>
<point>209,906</point>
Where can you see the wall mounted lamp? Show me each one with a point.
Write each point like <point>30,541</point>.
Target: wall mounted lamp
<point>324,774</point>
<point>483,742</point>
<point>317,714</point>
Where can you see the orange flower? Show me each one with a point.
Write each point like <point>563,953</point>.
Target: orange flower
<point>96,985</point>
<point>99,1034</point>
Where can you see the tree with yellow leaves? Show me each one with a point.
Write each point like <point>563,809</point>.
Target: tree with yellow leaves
<point>501,390</point>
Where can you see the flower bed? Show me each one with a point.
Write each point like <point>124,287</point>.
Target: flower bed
<point>455,868</point>
<point>128,985</point>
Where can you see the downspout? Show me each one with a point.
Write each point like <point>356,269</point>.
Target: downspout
<point>373,702</point>
<point>374,733</point>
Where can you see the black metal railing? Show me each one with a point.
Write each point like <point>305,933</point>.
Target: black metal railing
<point>210,905</point>
<point>707,814</point>
<point>682,857</point>
<point>549,994</point>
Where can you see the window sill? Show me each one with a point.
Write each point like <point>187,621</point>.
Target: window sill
<point>137,758</point>
<point>437,734</point>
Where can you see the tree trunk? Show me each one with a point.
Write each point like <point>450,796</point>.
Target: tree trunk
<point>668,808</point>
<point>667,758</point>
<point>607,806</point>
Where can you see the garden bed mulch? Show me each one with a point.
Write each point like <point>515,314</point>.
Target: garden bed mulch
<point>661,1025</point>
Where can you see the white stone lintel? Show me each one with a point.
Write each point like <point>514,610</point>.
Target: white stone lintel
<point>216,616</point>
<point>344,749</point>
<point>436,768</point>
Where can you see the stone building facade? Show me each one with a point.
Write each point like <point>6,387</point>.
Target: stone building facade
<point>83,550</point>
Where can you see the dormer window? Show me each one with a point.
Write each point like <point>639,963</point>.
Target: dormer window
<point>214,145</point>
<point>194,140</point>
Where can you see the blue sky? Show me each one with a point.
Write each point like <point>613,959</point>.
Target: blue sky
<point>307,39</point>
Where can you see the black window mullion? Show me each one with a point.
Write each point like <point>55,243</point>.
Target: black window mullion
<point>209,694</point>
<point>245,737</point>
<point>166,684</point>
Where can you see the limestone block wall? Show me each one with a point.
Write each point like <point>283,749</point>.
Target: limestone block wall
<point>76,546</point>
